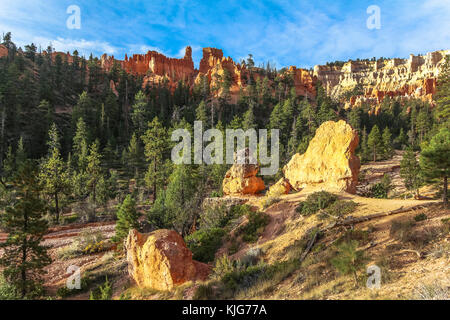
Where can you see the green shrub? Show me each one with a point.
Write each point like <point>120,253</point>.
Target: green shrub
<point>69,219</point>
<point>436,290</point>
<point>243,278</point>
<point>222,266</point>
<point>64,292</point>
<point>420,217</point>
<point>7,291</point>
<point>380,190</point>
<point>341,208</point>
<point>89,241</point>
<point>125,296</point>
<point>268,201</point>
<point>316,201</point>
<point>240,210</point>
<point>103,292</point>
<point>257,221</point>
<point>204,243</point>
<point>446,225</point>
<point>252,256</point>
<point>234,247</point>
<point>401,230</point>
<point>215,217</point>
<point>216,194</point>
<point>204,292</point>
<point>349,260</point>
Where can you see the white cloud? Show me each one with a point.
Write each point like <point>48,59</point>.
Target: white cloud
<point>85,47</point>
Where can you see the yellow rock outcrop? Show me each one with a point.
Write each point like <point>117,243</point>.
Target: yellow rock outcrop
<point>281,187</point>
<point>161,260</point>
<point>329,161</point>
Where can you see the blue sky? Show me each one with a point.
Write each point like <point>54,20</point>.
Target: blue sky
<point>301,33</point>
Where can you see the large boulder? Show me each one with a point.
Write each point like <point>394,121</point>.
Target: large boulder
<point>329,161</point>
<point>161,260</point>
<point>241,178</point>
<point>281,187</point>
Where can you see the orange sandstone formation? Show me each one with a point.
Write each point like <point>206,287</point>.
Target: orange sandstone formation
<point>155,66</point>
<point>304,82</point>
<point>241,179</point>
<point>161,260</point>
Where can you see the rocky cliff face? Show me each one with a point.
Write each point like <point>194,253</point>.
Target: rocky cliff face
<point>415,77</point>
<point>409,78</point>
<point>329,161</point>
<point>304,82</point>
<point>213,65</point>
<point>155,66</point>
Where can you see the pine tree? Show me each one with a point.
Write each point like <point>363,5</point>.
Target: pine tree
<point>248,121</point>
<point>201,114</point>
<point>435,159</point>
<point>53,139</point>
<point>127,219</point>
<point>93,169</point>
<point>134,154</point>
<point>84,109</point>
<point>53,175</point>
<point>365,152</point>
<point>354,118</point>
<point>349,260</point>
<point>401,139</point>
<point>442,112</point>
<point>24,257</point>
<point>276,117</point>
<point>139,112</point>
<point>374,142</point>
<point>156,144</point>
<point>236,123</point>
<point>80,144</point>
<point>21,155</point>
<point>412,130</point>
<point>9,164</point>
<point>180,200</point>
<point>326,112</point>
<point>295,137</point>
<point>410,171</point>
<point>423,123</point>
<point>308,114</point>
<point>387,143</point>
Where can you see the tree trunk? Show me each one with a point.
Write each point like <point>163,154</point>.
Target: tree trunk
<point>57,207</point>
<point>444,193</point>
<point>154,181</point>
<point>23,271</point>
<point>355,278</point>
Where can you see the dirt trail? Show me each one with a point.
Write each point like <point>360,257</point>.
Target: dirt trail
<point>71,230</point>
